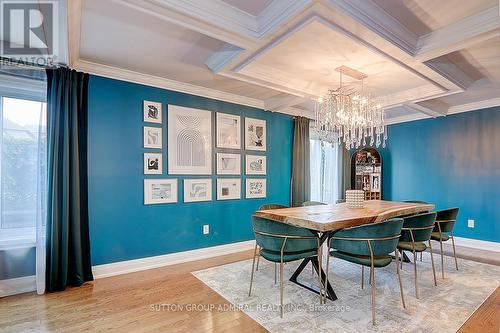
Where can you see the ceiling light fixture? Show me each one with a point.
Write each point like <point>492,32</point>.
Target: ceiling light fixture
<point>350,115</point>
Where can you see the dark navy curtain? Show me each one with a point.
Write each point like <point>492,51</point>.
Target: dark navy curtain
<point>68,244</point>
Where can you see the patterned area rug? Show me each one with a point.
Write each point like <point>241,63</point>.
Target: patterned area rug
<point>439,309</point>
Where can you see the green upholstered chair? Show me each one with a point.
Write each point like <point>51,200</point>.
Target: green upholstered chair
<point>443,231</point>
<point>312,203</point>
<point>266,207</point>
<point>416,231</point>
<point>281,243</point>
<point>368,245</point>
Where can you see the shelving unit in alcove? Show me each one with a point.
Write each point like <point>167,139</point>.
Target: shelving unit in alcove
<point>366,172</point>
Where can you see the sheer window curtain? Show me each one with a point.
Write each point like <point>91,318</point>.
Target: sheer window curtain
<point>324,171</point>
<point>41,208</point>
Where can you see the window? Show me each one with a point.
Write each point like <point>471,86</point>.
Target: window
<point>324,171</point>
<point>23,137</point>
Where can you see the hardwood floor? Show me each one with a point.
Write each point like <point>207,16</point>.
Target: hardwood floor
<point>133,303</point>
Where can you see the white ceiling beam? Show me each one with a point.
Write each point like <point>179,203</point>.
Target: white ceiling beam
<point>425,110</point>
<point>459,35</point>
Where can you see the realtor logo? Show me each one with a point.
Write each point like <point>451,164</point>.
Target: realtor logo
<point>29,30</point>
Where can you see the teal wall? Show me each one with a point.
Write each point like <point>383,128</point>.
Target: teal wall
<point>453,161</point>
<point>121,226</point>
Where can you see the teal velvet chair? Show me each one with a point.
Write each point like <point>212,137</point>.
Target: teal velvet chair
<point>267,207</point>
<point>312,203</point>
<point>368,245</point>
<point>282,243</point>
<point>443,231</point>
<point>416,231</point>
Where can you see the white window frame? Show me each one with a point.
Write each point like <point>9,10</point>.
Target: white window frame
<point>27,89</point>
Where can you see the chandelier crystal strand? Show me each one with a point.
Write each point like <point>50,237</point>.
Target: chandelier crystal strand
<point>351,116</point>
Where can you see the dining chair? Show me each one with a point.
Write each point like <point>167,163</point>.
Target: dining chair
<point>443,231</point>
<point>312,203</point>
<point>416,231</point>
<point>282,243</point>
<point>368,245</point>
<point>266,207</point>
<point>340,201</point>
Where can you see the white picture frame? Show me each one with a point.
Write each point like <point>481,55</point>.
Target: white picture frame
<point>228,188</point>
<point>375,182</point>
<point>228,164</point>
<point>228,131</point>
<point>153,137</point>
<point>152,112</point>
<point>189,141</point>
<point>153,163</point>
<point>255,188</point>
<point>159,191</point>
<point>197,189</point>
<point>255,134</point>
<point>255,165</point>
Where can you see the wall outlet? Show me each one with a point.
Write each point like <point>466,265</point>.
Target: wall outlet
<point>206,229</point>
<point>470,223</point>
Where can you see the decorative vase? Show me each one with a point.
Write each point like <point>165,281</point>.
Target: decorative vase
<point>355,198</point>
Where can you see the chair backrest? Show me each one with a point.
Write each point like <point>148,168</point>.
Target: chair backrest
<point>312,203</point>
<point>420,225</point>
<point>446,219</point>
<point>340,201</point>
<point>270,235</point>
<point>272,206</point>
<point>383,237</point>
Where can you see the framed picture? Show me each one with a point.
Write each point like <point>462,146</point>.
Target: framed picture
<point>228,188</point>
<point>255,134</point>
<point>255,165</point>
<point>158,191</point>
<point>228,131</point>
<point>189,141</point>
<point>255,188</point>
<point>153,164</point>
<point>228,164</point>
<point>375,182</point>
<point>152,137</point>
<point>152,112</point>
<point>197,190</point>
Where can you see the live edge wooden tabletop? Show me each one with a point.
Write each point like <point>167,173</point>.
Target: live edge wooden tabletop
<point>325,218</point>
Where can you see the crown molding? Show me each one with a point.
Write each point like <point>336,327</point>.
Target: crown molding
<point>456,36</point>
<point>425,110</point>
<point>379,21</point>
<point>74,15</point>
<point>160,82</point>
<point>407,118</point>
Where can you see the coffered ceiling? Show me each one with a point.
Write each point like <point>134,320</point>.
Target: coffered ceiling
<point>422,58</point>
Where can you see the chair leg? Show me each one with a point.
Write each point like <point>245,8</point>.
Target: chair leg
<point>399,278</point>
<point>275,272</point>
<point>372,287</point>
<point>251,276</point>
<point>415,269</point>
<point>258,258</point>
<point>281,289</point>
<point>442,258</point>
<point>421,256</point>
<point>362,277</point>
<point>454,253</point>
<point>432,261</point>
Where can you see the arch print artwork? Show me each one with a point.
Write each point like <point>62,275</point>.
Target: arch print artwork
<point>189,141</point>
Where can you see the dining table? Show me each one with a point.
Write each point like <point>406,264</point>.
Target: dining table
<point>325,220</point>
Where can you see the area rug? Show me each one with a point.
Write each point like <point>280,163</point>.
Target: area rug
<point>439,309</point>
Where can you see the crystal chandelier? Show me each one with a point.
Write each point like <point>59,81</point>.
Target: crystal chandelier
<point>350,115</point>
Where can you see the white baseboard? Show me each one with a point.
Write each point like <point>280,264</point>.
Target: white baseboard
<point>129,266</point>
<point>477,244</point>
<point>17,285</point>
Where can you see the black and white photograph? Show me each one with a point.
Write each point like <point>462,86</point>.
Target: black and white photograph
<point>152,137</point>
<point>255,188</point>
<point>196,190</point>
<point>228,131</point>
<point>153,163</point>
<point>228,188</point>
<point>152,112</point>
<point>255,134</point>
<point>158,191</point>
<point>375,182</point>
<point>228,164</point>
<point>255,165</point>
